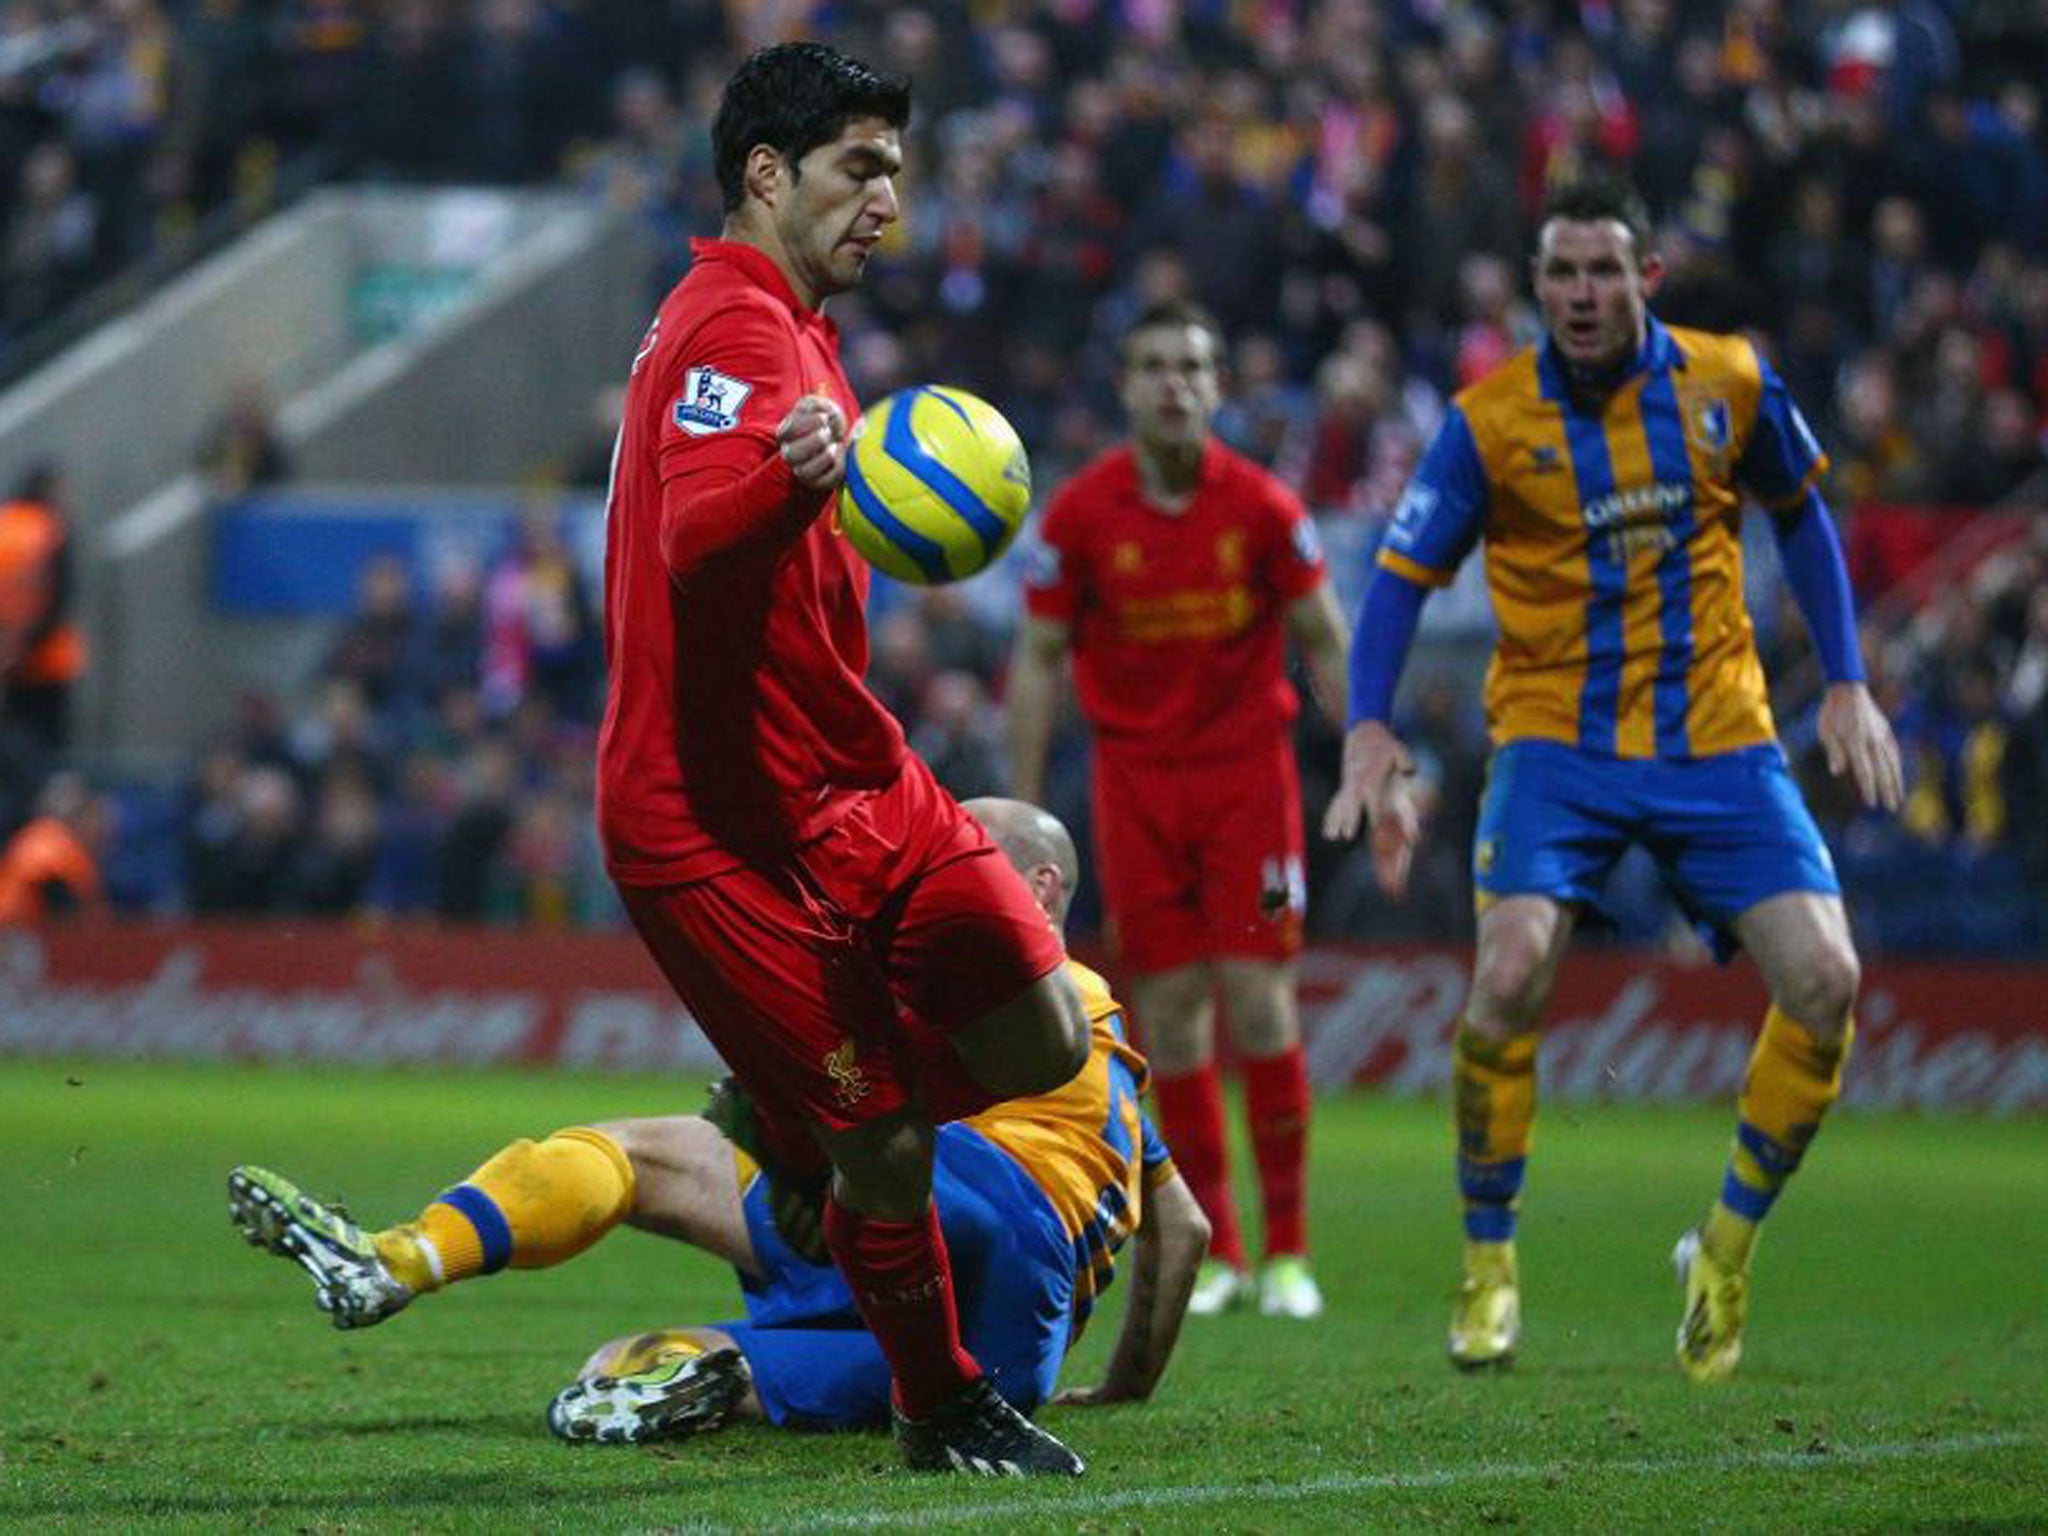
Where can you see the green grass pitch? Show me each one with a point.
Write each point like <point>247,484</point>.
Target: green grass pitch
<point>157,1374</point>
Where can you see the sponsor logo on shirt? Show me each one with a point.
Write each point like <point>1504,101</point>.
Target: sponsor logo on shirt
<point>1637,518</point>
<point>1638,503</point>
<point>1186,613</point>
<point>710,402</point>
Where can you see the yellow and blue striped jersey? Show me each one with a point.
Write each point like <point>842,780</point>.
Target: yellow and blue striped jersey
<point>1613,548</point>
<point>1088,1144</point>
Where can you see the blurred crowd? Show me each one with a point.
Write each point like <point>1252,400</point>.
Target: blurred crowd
<point>126,124</point>
<point>1349,184</point>
<point>440,764</point>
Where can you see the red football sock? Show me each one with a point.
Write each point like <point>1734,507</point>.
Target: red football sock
<point>1191,1118</point>
<point>1276,1107</point>
<point>903,1284</point>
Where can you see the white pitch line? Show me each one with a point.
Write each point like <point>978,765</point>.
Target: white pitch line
<point>1112,1501</point>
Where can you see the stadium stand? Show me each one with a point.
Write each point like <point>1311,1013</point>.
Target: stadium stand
<point>1865,188</point>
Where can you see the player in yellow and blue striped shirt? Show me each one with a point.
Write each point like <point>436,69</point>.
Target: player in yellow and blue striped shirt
<point>1036,1197</point>
<point>1606,471</point>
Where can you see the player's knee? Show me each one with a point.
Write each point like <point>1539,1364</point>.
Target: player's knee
<point>1265,1031</point>
<point>1823,992</point>
<point>1032,1044</point>
<point>1176,1047</point>
<point>1055,1046</point>
<point>1060,1048</point>
<point>1507,986</point>
<point>1258,1001</point>
<point>1175,1009</point>
<point>884,1168</point>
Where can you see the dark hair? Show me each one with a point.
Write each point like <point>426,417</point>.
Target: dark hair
<point>1593,197</point>
<point>794,97</point>
<point>1173,312</point>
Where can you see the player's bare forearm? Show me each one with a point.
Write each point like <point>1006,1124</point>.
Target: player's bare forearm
<point>1028,719</point>
<point>1859,742</point>
<point>1030,703</point>
<point>1166,1253</point>
<point>1324,640</point>
<point>1326,677</point>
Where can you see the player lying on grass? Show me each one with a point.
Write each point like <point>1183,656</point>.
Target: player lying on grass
<point>1036,1197</point>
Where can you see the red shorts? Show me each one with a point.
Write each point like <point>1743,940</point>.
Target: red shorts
<point>831,980</point>
<point>1202,860</point>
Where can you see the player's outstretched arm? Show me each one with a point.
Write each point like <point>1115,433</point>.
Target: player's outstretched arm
<point>1858,741</point>
<point>1854,733</point>
<point>1169,1247</point>
<point>1377,786</point>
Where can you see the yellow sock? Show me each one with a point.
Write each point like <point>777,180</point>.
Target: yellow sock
<point>1494,1082</point>
<point>419,1262</point>
<point>534,1204</point>
<point>1792,1080</point>
<point>1491,1261</point>
<point>1728,1237</point>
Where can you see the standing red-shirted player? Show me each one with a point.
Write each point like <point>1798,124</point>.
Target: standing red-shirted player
<point>852,942</point>
<point>1175,570</point>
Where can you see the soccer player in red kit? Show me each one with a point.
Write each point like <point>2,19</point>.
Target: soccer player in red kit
<point>1175,571</point>
<point>852,942</point>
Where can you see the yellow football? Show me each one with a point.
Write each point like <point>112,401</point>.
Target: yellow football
<point>937,485</point>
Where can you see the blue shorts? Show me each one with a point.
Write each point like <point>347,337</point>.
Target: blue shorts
<point>1726,831</point>
<point>816,1366</point>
